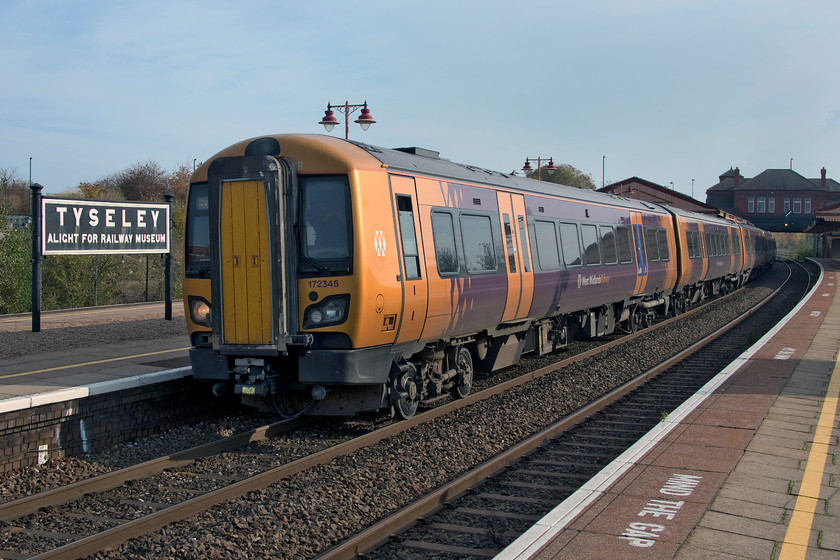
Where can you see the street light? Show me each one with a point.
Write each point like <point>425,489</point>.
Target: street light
<point>329,120</point>
<point>527,167</point>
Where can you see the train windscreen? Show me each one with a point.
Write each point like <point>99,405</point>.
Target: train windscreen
<point>326,235</point>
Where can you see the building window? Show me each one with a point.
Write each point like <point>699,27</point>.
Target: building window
<point>787,204</point>
<point>771,205</point>
<point>807,204</point>
<point>750,205</point>
<point>797,204</point>
<point>762,205</point>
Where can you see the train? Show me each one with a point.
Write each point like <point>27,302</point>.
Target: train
<point>330,277</point>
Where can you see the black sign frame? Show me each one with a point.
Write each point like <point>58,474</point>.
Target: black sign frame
<point>73,226</point>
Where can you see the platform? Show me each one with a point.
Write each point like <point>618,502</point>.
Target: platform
<point>748,468</point>
<point>89,368</point>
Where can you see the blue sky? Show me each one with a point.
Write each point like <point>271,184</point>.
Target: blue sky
<point>667,90</point>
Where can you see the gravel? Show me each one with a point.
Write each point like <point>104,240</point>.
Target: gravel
<point>298,517</point>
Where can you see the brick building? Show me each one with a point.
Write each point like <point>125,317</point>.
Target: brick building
<point>642,189</point>
<point>778,200</point>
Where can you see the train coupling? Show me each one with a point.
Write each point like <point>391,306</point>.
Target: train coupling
<point>252,378</point>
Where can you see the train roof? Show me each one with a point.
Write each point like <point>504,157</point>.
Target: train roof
<point>429,162</point>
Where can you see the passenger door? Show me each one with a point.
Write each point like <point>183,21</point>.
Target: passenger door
<point>253,300</point>
<point>245,263</point>
<point>413,275</point>
<point>520,275</point>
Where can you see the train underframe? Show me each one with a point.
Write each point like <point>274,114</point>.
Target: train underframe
<point>424,373</point>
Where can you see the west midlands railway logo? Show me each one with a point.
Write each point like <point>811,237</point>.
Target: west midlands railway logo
<point>379,243</point>
<point>592,280</point>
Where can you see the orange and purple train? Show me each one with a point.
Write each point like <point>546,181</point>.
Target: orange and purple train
<point>325,276</point>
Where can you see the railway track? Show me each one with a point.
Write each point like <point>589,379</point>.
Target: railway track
<point>102,513</point>
<point>479,514</point>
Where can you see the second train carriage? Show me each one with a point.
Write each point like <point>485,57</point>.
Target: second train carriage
<point>330,277</point>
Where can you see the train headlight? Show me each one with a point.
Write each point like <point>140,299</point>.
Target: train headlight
<point>331,311</point>
<point>200,311</point>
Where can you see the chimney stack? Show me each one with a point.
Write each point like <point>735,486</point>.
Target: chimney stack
<point>737,176</point>
<point>822,177</point>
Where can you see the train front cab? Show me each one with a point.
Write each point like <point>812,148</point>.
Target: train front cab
<point>274,239</point>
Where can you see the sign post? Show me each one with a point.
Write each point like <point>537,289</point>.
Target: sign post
<point>97,227</point>
<point>36,256</point>
<point>167,269</point>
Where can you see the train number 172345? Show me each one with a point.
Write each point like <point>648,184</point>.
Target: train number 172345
<point>323,283</point>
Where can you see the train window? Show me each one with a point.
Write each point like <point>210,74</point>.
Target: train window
<point>443,233</point>
<point>608,245</point>
<point>411,256</point>
<point>325,203</point>
<point>592,254</point>
<point>737,243</point>
<point>548,252</point>
<point>571,244</point>
<point>652,245</point>
<point>197,257</point>
<point>710,247</point>
<point>511,250</point>
<point>625,244</point>
<point>697,251</point>
<point>662,237</point>
<point>477,235</point>
<point>523,244</point>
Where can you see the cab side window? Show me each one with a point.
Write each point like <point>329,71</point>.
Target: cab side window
<point>446,253</point>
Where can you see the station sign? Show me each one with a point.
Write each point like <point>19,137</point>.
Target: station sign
<point>83,227</point>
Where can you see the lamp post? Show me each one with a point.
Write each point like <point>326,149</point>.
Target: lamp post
<point>527,167</point>
<point>603,167</point>
<point>329,120</point>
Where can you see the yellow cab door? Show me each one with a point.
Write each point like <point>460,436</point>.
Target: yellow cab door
<point>245,263</point>
<point>412,274</point>
<point>520,275</point>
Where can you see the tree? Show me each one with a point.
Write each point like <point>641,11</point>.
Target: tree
<point>565,174</point>
<point>143,181</point>
<point>14,194</point>
<point>16,279</point>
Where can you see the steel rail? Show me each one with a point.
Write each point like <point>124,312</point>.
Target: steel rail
<point>121,533</point>
<point>378,534</point>
<point>107,481</point>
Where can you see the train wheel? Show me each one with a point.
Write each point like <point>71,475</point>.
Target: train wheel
<point>633,322</point>
<point>464,366</point>
<point>408,386</point>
